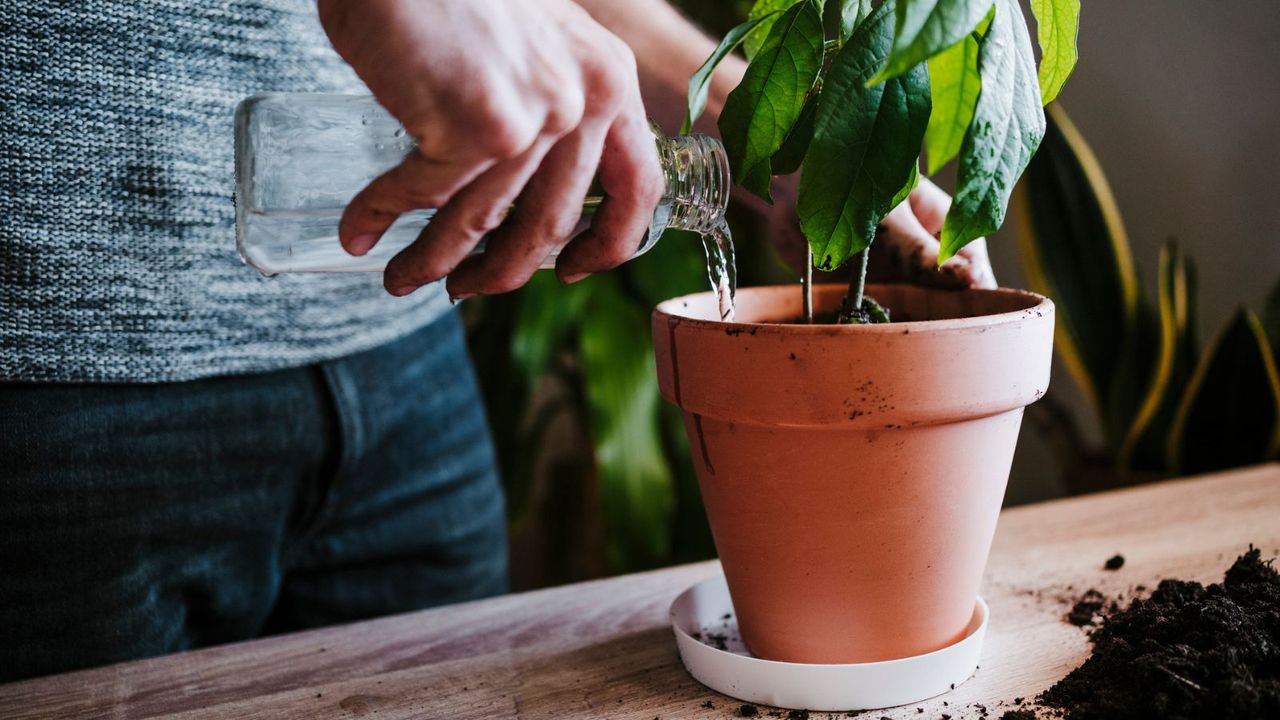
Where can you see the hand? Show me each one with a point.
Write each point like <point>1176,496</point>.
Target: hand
<point>906,245</point>
<point>506,100</point>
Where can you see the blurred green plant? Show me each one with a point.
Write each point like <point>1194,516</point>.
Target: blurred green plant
<point>1164,405</point>
<point>596,466</point>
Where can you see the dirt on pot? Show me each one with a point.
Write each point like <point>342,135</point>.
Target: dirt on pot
<point>1186,652</point>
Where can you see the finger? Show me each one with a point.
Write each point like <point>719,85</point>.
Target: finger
<point>633,185</point>
<point>982,275</point>
<point>913,245</point>
<point>546,213</point>
<point>417,182</point>
<point>906,251</point>
<point>459,225</point>
<point>929,203</point>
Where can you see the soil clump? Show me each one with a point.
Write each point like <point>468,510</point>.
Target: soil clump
<point>1186,652</point>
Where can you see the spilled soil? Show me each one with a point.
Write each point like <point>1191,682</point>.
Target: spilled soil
<point>1186,652</point>
<point>1086,608</point>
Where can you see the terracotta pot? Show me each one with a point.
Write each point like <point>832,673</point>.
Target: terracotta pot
<point>853,474</point>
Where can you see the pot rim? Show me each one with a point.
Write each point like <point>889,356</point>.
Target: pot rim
<point>676,308</point>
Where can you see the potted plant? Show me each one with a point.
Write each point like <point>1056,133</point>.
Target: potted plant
<point>853,470</point>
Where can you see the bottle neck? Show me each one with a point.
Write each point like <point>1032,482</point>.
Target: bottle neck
<point>696,170</point>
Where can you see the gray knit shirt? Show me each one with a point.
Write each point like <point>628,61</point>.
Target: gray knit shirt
<point>117,245</point>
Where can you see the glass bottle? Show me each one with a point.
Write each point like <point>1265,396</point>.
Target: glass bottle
<point>300,158</point>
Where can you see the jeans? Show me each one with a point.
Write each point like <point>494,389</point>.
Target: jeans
<point>138,520</point>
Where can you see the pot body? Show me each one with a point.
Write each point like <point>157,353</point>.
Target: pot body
<point>853,475</point>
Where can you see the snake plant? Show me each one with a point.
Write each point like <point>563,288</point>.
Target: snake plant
<point>1165,404</point>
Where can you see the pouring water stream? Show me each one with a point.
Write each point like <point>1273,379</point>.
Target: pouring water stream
<point>722,268</point>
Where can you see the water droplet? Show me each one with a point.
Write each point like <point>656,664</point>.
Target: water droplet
<point>399,132</point>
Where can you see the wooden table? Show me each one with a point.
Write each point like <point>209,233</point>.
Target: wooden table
<point>604,650</point>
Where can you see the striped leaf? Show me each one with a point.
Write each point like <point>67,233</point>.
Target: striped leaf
<point>1136,364</point>
<point>1074,249</point>
<point>1271,317</point>
<point>1144,443</point>
<point>1230,413</point>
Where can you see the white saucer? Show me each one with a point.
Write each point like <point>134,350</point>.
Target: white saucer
<point>706,610</point>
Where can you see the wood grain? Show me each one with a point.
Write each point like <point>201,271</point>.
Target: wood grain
<point>604,649</point>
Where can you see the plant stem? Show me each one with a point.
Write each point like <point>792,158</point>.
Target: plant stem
<point>806,284</point>
<point>858,281</point>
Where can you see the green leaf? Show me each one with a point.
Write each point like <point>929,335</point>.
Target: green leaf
<point>1230,414</point>
<point>865,147</point>
<point>768,11</point>
<point>548,314</point>
<point>924,28</point>
<point>545,321</point>
<point>877,311</point>
<point>1135,364</point>
<point>788,158</point>
<point>700,82</point>
<point>620,383</point>
<point>1057,24</point>
<point>1074,249</point>
<point>1144,443</point>
<point>954,84</point>
<point>490,323</point>
<point>675,266</point>
<point>1008,123</point>
<point>911,184</point>
<point>852,13</point>
<point>760,112</point>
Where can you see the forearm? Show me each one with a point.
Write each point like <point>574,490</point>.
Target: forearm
<point>668,50</point>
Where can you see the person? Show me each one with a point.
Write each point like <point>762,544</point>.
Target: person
<point>192,454</point>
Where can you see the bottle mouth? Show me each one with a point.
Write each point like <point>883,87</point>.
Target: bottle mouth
<point>698,183</point>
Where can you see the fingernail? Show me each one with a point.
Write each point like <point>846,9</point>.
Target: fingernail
<point>403,290</point>
<point>360,244</point>
<point>573,278</point>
